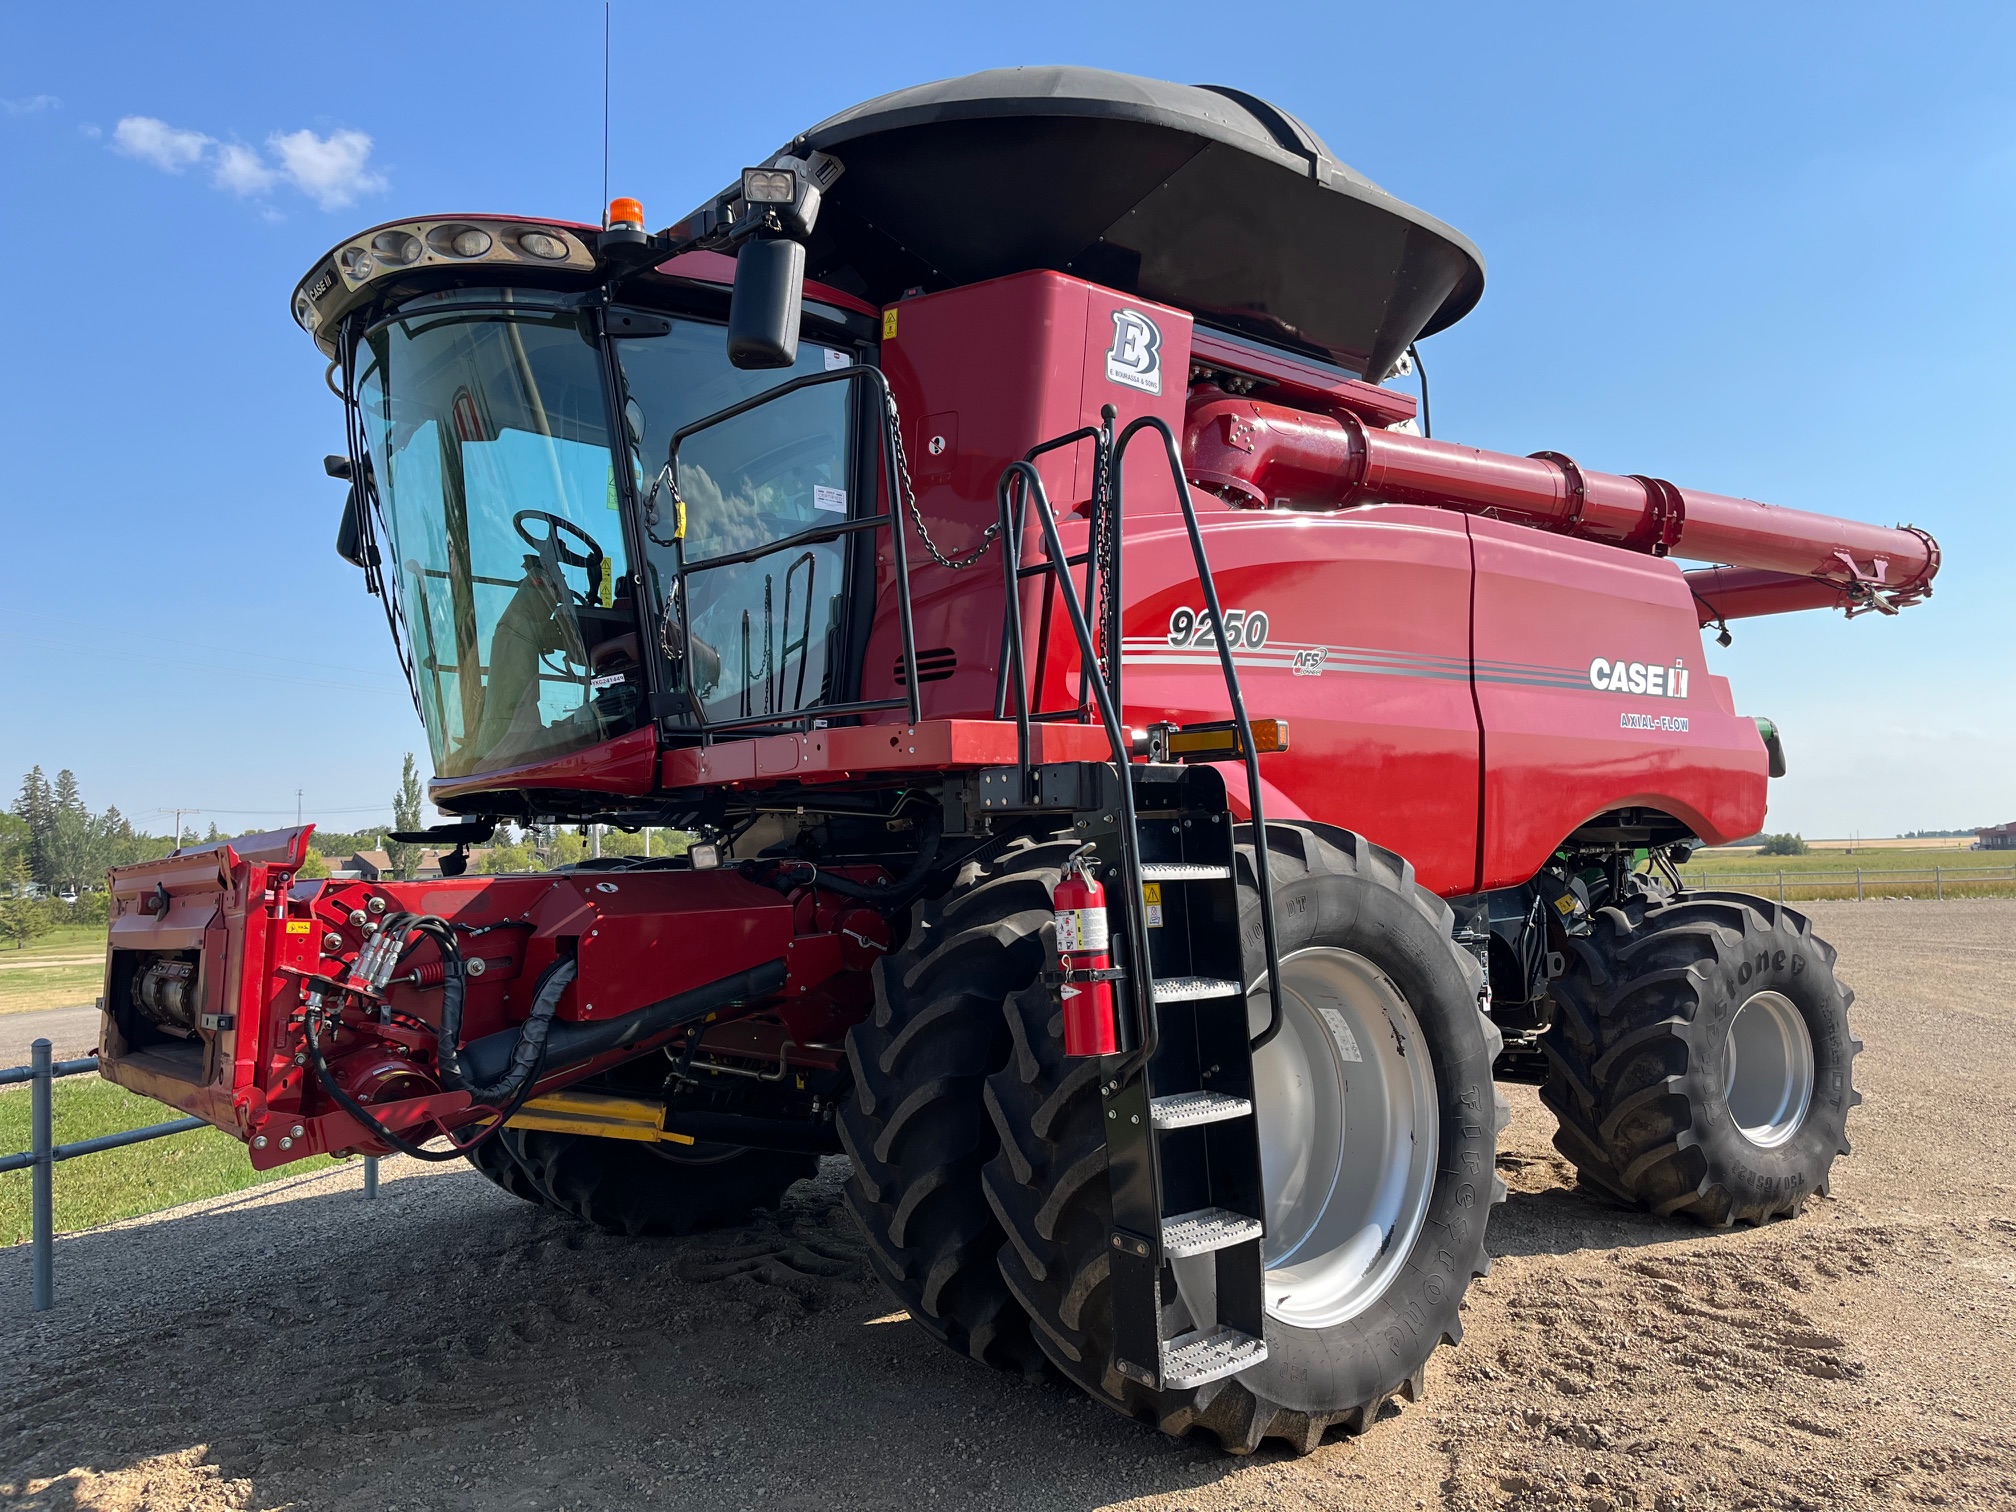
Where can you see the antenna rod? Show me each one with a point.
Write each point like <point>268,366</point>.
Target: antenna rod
<point>605,107</point>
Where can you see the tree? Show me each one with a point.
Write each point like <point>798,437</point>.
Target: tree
<point>1783,845</point>
<point>36,807</point>
<point>68,853</point>
<point>16,841</point>
<point>22,918</point>
<point>405,858</point>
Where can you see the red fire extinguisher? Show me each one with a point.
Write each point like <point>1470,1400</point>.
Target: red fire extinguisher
<point>1083,954</point>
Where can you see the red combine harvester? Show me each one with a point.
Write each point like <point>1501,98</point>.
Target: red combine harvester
<point>916,525</point>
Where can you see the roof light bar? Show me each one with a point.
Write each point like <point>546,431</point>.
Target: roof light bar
<point>345,278</point>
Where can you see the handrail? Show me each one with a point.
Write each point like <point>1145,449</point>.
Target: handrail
<point>1138,968</point>
<point>1263,877</point>
<point>1021,483</point>
<point>682,569</point>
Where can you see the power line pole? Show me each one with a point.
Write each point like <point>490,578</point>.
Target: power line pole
<point>178,823</point>
<point>297,808</point>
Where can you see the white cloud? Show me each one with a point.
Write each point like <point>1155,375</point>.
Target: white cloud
<point>243,171</point>
<point>31,105</point>
<point>168,148</point>
<point>333,170</point>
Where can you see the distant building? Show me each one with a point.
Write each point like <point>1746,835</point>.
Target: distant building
<point>376,866</point>
<point>1996,837</point>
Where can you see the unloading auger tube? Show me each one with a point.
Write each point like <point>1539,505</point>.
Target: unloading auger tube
<point>1773,559</point>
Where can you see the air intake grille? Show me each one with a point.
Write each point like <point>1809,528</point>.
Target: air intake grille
<point>932,666</point>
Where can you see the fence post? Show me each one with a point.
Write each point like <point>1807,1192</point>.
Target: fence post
<point>370,1178</point>
<point>1858,884</point>
<point>1781,887</point>
<point>42,1141</point>
<point>1939,884</point>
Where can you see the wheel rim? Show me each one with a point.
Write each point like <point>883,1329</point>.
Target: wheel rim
<point>1349,1130</point>
<point>1767,1070</point>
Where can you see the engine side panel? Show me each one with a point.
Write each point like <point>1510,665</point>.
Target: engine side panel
<point>1554,616</point>
<point>1355,627</point>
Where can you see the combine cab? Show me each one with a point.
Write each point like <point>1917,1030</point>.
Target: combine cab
<point>1141,785</point>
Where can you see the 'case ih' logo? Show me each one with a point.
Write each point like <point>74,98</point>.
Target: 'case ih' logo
<point>1135,357</point>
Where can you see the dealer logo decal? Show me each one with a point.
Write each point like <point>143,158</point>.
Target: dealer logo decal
<point>1135,358</point>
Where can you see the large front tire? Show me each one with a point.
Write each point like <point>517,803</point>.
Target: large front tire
<point>915,1128</point>
<point>1700,1060</point>
<point>1341,1348</point>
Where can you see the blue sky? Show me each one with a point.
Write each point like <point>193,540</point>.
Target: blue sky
<point>1758,250</point>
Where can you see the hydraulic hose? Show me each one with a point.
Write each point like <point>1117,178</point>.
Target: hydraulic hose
<point>526,1054</point>
<point>507,1092</point>
<point>785,874</point>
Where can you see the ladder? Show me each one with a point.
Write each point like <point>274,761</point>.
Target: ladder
<point>1182,1140</point>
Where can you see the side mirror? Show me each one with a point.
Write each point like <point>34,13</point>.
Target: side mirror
<point>769,297</point>
<point>350,529</point>
<point>350,533</point>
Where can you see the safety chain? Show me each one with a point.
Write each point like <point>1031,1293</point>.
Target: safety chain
<point>909,495</point>
<point>1103,549</point>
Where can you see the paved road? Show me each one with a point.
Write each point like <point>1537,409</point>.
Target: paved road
<point>70,1031</point>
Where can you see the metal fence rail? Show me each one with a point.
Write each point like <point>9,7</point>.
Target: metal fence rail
<point>1938,878</point>
<point>43,1154</point>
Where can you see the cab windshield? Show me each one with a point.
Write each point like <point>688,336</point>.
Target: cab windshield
<point>487,421</point>
<point>489,441</point>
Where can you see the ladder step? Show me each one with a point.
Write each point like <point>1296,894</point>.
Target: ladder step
<point>1191,989</point>
<point>1193,1359</point>
<point>1206,1230</point>
<point>1183,1110</point>
<point>1183,871</point>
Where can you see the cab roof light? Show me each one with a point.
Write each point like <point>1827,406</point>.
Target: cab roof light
<point>626,213</point>
<point>769,186</point>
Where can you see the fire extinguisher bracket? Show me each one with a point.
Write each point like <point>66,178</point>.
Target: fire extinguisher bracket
<point>1054,978</point>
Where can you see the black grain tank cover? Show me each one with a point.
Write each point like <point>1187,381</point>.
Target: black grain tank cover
<point>1202,197</point>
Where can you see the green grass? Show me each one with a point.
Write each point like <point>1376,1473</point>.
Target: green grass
<point>123,1183</point>
<point>58,970</point>
<point>1804,877</point>
<point>69,941</point>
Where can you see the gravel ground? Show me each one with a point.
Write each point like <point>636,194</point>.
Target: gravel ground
<point>451,1348</point>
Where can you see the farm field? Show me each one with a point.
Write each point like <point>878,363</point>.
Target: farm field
<point>455,1348</point>
<point>1891,872</point>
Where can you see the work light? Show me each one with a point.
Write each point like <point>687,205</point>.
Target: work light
<point>769,186</point>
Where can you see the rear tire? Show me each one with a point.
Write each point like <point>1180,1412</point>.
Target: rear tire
<point>1338,899</point>
<point>916,1129</point>
<point>1700,1060</point>
<point>631,1187</point>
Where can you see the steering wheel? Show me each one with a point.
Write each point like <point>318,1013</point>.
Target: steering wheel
<point>557,527</point>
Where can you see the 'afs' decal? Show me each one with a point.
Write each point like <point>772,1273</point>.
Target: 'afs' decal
<point>1135,358</point>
